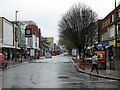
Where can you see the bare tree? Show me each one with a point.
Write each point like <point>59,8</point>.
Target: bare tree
<point>66,43</point>
<point>78,26</point>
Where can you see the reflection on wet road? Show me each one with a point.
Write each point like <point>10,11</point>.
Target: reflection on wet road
<point>57,72</point>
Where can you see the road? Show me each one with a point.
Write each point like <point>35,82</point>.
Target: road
<point>56,72</point>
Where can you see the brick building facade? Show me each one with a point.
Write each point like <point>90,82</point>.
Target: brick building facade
<point>107,32</point>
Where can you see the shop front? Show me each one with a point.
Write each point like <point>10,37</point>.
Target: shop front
<point>37,54</point>
<point>9,52</point>
<point>111,53</point>
<point>102,58</point>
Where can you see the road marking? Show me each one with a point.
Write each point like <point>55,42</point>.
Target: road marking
<point>77,82</point>
<point>61,83</point>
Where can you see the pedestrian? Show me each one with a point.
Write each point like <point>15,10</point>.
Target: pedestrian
<point>111,59</point>
<point>6,55</point>
<point>18,55</point>
<point>28,54</point>
<point>94,64</point>
<point>11,56</point>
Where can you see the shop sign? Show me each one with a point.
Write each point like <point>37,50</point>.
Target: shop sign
<point>28,32</point>
<point>101,59</point>
<point>113,43</point>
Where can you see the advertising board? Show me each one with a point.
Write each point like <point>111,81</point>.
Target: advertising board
<point>28,32</point>
<point>101,59</point>
<point>32,52</point>
<point>74,52</point>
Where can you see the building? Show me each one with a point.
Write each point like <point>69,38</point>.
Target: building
<point>107,32</point>
<point>45,46</point>
<point>50,40</point>
<point>34,43</point>
<point>96,39</point>
<point>8,38</point>
<point>21,27</point>
<point>28,23</point>
<point>13,40</point>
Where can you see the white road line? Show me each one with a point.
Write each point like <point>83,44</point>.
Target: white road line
<point>77,82</point>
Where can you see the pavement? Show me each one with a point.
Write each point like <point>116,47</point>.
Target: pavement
<point>12,64</point>
<point>103,73</point>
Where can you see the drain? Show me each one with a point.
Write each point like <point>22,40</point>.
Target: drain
<point>13,87</point>
<point>40,62</point>
<point>64,62</point>
<point>64,76</point>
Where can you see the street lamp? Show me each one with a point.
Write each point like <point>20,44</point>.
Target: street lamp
<point>16,15</point>
<point>15,36</point>
<point>116,62</point>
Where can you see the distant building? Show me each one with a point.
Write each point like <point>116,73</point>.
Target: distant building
<point>45,46</point>
<point>6,33</point>
<point>34,42</point>
<point>28,23</point>
<point>50,40</point>
<point>8,38</point>
<point>20,34</point>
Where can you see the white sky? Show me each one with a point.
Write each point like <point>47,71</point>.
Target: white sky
<point>47,13</point>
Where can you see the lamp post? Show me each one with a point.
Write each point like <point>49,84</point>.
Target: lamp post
<point>116,61</point>
<point>15,36</point>
<point>16,15</point>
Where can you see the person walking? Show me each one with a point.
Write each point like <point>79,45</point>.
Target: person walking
<point>94,64</point>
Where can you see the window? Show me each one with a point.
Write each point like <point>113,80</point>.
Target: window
<point>103,25</point>
<point>111,32</point>
<point>108,21</point>
<point>105,36</point>
<point>102,38</point>
<point>119,13</point>
<point>112,18</point>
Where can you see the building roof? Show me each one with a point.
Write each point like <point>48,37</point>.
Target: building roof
<point>29,22</point>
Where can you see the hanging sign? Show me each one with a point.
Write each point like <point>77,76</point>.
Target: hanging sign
<point>28,32</point>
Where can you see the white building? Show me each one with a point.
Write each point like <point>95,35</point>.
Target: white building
<point>6,33</point>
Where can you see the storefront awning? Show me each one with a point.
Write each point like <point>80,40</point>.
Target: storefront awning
<point>108,46</point>
<point>6,46</point>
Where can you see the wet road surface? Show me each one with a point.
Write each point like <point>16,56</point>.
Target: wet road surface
<point>56,72</point>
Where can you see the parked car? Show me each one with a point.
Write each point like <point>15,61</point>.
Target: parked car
<point>54,53</point>
<point>48,55</point>
<point>3,63</point>
<point>65,53</point>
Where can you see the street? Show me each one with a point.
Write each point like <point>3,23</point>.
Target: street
<point>55,72</point>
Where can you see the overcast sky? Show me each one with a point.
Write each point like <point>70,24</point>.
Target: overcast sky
<point>47,13</point>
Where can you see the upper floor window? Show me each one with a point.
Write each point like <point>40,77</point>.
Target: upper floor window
<point>112,18</point>
<point>103,25</point>
<point>119,13</point>
<point>111,31</point>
